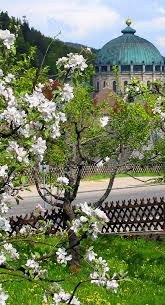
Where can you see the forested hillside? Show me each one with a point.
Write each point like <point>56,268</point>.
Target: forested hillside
<point>28,37</point>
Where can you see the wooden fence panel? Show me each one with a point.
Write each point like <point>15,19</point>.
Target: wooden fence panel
<point>93,170</point>
<point>124,217</point>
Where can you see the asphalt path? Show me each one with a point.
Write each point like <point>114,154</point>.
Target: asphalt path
<point>123,193</point>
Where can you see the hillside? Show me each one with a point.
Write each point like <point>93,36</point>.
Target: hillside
<point>28,37</point>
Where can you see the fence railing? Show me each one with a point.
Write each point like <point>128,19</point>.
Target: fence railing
<point>124,217</point>
<point>93,170</point>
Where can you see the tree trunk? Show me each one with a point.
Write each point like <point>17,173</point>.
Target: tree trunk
<point>74,242</point>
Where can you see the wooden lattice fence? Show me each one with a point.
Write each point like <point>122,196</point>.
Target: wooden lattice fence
<point>135,216</point>
<point>92,170</point>
<point>124,217</point>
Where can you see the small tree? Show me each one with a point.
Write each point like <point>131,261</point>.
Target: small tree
<point>102,132</point>
<point>32,114</point>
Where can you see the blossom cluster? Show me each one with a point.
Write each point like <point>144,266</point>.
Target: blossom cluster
<point>60,296</point>
<point>3,296</point>
<point>72,62</point>
<point>7,38</point>
<point>158,109</point>
<point>100,276</point>
<point>34,266</point>
<point>90,220</point>
<point>62,256</point>
<point>63,180</point>
<point>104,121</point>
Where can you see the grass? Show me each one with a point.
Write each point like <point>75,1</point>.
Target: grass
<point>102,177</point>
<point>144,260</point>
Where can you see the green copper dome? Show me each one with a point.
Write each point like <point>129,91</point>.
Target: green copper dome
<point>129,49</point>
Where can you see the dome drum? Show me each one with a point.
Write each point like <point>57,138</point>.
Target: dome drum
<point>131,68</point>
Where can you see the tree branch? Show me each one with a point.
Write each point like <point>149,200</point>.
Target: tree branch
<point>108,190</point>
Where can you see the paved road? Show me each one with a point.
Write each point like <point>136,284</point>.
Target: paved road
<point>88,195</point>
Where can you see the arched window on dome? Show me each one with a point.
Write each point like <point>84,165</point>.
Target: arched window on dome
<point>104,84</point>
<point>157,68</point>
<point>97,86</point>
<point>137,68</point>
<point>149,68</point>
<point>125,68</point>
<point>103,68</point>
<point>96,69</point>
<point>114,86</point>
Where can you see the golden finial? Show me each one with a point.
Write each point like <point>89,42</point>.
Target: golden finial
<point>128,22</point>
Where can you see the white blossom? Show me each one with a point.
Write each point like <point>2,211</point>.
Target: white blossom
<point>38,148</point>
<point>72,62</point>
<point>63,180</point>
<point>4,224</point>
<point>100,214</point>
<point>47,109</point>
<point>7,38</point>
<point>26,131</point>
<point>3,296</point>
<point>100,163</point>
<point>9,78</point>
<point>90,255</point>
<point>86,209</point>
<point>107,159</point>
<point>3,170</point>
<point>22,155</point>
<point>104,121</point>
<point>5,200</point>
<point>162,115</point>
<point>55,130</point>
<point>76,225</point>
<point>83,219</point>
<point>2,258</point>
<point>12,251</point>
<point>113,284</point>
<point>67,93</point>
<point>14,116</point>
<point>62,256</point>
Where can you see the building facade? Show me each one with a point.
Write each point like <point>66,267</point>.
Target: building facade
<point>134,56</point>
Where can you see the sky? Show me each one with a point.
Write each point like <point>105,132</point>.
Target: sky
<point>92,22</point>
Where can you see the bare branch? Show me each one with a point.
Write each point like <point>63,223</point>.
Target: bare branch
<point>108,190</point>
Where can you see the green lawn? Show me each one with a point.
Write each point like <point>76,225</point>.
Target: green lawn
<point>101,177</point>
<point>143,259</point>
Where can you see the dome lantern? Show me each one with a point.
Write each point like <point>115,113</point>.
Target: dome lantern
<point>128,29</point>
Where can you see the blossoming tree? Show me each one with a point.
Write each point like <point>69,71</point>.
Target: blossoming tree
<point>32,114</point>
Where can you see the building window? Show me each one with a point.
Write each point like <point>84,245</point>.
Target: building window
<point>114,86</point>
<point>125,83</point>
<point>137,68</point>
<point>111,68</point>
<point>97,69</point>
<point>104,84</point>
<point>97,86</point>
<point>149,68</point>
<point>157,68</point>
<point>162,68</point>
<point>103,68</point>
<point>125,68</point>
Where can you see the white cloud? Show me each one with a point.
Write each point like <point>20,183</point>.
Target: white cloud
<point>161,41</point>
<point>161,10</point>
<point>154,24</point>
<point>76,19</point>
